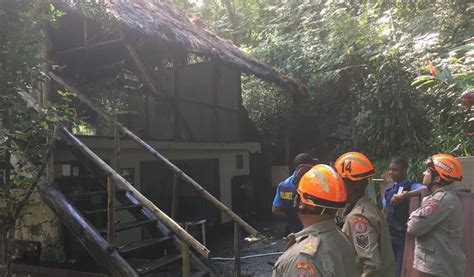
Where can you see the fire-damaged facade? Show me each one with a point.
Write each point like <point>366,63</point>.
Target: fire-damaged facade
<point>163,139</point>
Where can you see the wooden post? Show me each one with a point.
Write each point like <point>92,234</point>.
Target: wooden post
<point>177,120</point>
<point>174,199</point>
<point>237,248</point>
<point>215,101</point>
<point>203,231</point>
<point>116,149</point>
<point>110,211</point>
<point>186,259</point>
<point>47,96</point>
<point>111,190</point>
<point>10,230</point>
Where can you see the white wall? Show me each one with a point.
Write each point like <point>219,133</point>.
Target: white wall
<point>131,156</point>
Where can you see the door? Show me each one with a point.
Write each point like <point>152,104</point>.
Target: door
<point>157,183</point>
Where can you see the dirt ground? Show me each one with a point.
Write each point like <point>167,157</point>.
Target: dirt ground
<point>221,246</point>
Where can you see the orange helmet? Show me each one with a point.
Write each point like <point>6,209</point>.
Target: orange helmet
<point>354,166</point>
<point>322,186</point>
<point>447,166</point>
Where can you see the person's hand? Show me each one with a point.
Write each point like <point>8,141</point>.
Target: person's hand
<point>397,197</point>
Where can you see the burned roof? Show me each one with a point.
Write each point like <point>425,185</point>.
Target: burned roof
<point>163,21</point>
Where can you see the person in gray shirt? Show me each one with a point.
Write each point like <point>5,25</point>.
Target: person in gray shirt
<point>438,223</point>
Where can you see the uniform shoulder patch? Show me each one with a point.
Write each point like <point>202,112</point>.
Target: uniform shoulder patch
<point>305,266</point>
<point>429,207</point>
<point>360,230</point>
<point>359,225</point>
<point>310,245</point>
<point>362,240</point>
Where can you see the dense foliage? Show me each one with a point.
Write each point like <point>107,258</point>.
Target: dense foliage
<point>365,64</point>
<point>366,67</point>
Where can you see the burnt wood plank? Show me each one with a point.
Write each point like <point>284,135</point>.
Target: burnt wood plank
<point>129,225</point>
<point>121,208</point>
<point>127,248</point>
<point>200,274</point>
<point>151,265</point>
<point>92,193</point>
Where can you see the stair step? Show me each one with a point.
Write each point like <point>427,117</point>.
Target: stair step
<point>129,225</point>
<point>128,207</point>
<point>127,248</point>
<point>200,274</point>
<point>92,193</point>
<point>150,265</point>
<point>73,178</point>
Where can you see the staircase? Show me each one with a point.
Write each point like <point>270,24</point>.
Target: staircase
<point>155,252</point>
<point>81,204</point>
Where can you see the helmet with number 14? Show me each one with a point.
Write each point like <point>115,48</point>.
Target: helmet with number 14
<point>354,166</point>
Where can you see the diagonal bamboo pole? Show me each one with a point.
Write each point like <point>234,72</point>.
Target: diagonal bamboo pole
<point>122,183</point>
<point>209,197</point>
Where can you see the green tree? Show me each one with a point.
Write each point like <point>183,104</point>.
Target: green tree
<point>358,60</point>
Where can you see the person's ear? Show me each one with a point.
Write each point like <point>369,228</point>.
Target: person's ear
<point>436,179</point>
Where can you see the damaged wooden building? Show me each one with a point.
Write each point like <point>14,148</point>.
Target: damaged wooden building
<point>165,139</point>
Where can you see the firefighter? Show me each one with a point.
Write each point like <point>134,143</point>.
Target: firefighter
<point>438,223</point>
<point>320,249</point>
<point>365,224</point>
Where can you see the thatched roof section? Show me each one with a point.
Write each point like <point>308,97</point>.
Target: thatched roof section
<point>163,21</point>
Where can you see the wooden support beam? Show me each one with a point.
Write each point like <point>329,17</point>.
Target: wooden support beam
<point>174,199</point>
<point>140,64</point>
<point>47,96</point>
<point>110,211</point>
<point>215,76</point>
<point>237,249</point>
<point>116,149</point>
<point>142,67</point>
<point>8,236</point>
<point>186,261</point>
<point>103,44</point>
<point>177,121</point>
<point>209,197</point>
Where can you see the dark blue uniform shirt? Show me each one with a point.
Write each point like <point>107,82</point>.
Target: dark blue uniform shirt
<point>390,209</point>
<point>284,196</point>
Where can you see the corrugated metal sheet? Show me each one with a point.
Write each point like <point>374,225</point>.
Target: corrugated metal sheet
<point>467,244</point>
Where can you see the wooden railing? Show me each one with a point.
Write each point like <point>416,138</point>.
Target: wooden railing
<point>125,185</point>
<point>115,178</point>
<point>92,242</point>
